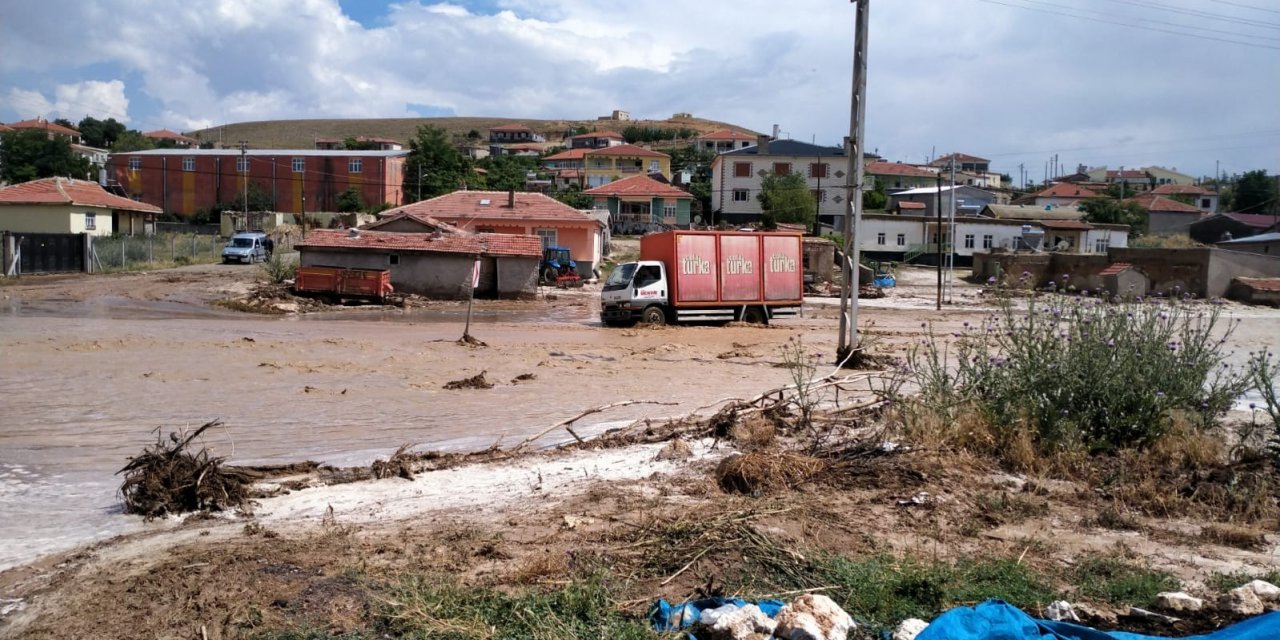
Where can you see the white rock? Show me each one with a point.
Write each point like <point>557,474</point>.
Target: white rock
<point>1178,601</point>
<point>813,617</point>
<point>1241,601</point>
<point>731,622</point>
<point>1061,610</point>
<point>1265,591</point>
<point>908,629</point>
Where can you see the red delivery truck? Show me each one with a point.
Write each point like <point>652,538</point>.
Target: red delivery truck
<point>339,282</point>
<point>707,276</point>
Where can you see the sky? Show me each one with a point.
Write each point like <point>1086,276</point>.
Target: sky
<point>1186,84</point>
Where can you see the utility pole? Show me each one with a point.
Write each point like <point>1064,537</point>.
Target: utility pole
<point>951,233</point>
<point>244,159</point>
<point>937,237</point>
<point>853,221</point>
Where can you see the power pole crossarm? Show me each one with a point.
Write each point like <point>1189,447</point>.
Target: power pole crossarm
<point>853,221</point>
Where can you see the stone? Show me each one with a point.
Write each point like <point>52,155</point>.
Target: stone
<point>1096,616</point>
<point>813,617</point>
<point>908,629</point>
<point>1266,592</point>
<point>1178,602</point>
<point>1241,601</point>
<point>1060,611</point>
<point>731,622</point>
<point>675,450</point>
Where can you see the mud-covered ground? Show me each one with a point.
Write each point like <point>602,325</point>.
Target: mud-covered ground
<point>93,364</point>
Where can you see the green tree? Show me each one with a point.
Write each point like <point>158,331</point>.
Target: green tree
<point>350,200</point>
<point>434,166</point>
<point>574,197</point>
<point>352,144</point>
<point>876,198</point>
<point>507,172</point>
<point>30,154</point>
<point>259,200</point>
<point>473,135</point>
<point>1255,192</point>
<point>786,198</point>
<point>132,141</point>
<point>100,133</point>
<point>64,122</point>
<point>1108,211</point>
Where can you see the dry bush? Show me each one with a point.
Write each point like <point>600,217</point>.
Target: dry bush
<point>168,479</point>
<point>754,433</point>
<point>541,567</point>
<point>1234,536</point>
<point>761,472</point>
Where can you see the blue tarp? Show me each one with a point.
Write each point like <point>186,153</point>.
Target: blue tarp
<point>995,620</point>
<point>665,616</point>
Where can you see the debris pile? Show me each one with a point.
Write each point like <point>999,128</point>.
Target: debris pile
<point>808,617</point>
<point>477,381</point>
<point>169,479</point>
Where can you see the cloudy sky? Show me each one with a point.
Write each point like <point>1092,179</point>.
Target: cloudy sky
<point>1177,83</point>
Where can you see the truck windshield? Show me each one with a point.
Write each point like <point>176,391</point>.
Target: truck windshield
<point>621,275</point>
<point>242,242</point>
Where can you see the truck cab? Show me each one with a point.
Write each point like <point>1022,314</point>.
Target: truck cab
<point>635,291</point>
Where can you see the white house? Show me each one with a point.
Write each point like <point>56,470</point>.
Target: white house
<point>902,237</point>
<point>736,178</point>
<point>1201,198</point>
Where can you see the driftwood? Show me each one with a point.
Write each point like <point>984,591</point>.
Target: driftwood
<point>564,424</point>
<point>169,479</point>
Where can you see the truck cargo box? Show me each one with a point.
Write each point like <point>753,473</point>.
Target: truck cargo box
<point>714,268</point>
<point>342,281</point>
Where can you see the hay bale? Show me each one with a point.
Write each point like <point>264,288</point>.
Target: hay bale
<point>168,479</point>
<point>761,472</point>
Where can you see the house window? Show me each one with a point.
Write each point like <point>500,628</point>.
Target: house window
<point>90,221</point>
<point>742,169</point>
<point>1204,203</point>
<point>902,239</point>
<point>880,238</point>
<point>355,165</point>
<point>968,240</point>
<point>741,195</point>
<point>242,164</point>
<point>393,259</point>
<point>987,241</point>
<point>781,168</point>
<point>654,166</point>
<point>669,211</point>
<point>819,195</point>
<point>549,237</point>
<point>817,169</point>
<point>299,165</point>
<point>1101,245</point>
<point>188,163</point>
<point>135,164</point>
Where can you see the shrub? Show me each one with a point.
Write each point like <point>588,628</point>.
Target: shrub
<point>1089,372</point>
<point>277,268</point>
<point>1264,374</point>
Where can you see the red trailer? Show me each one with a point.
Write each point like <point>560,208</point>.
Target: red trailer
<point>340,282</point>
<point>708,275</point>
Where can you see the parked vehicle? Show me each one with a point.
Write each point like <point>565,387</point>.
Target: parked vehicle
<point>707,276</point>
<point>558,268</point>
<point>246,246</point>
<point>340,282</point>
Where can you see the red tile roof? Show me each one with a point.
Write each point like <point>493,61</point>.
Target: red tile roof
<point>571,154</point>
<point>419,218</point>
<point>1066,190</point>
<point>728,135</point>
<point>1260,284</point>
<point>511,128</point>
<point>1136,174</point>
<point>165,134</point>
<point>958,157</point>
<point>70,192</point>
<point>911,205</point>
<point>489,244</point>
<point>638,186</point>
<point>1153,202</point>
<point>1116,268</point>
<point>1182,190</point>
<point>1257,220</point>
<point>898,169</point>
<point>600,134</point>
<point>492,205</point>
<point>4,128</point>
<point>1066,225</point>
<point>41,123</point>
<point>628,150</point>
<point>525,146</point>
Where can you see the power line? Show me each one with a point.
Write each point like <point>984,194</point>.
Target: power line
<point>1147,4</point>
<point>1149,20</point>
<point>1131,25</point>
<point>1246,6</point>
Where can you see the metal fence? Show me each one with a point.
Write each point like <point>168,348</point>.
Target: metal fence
<point>115,253</point>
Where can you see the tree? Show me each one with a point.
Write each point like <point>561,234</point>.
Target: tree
<point>507,172</point>
<point>350,200</point>
<point>574,197</point>
<point>434,167</point>
<point>30,154</point>
<point>100,133</point>
<point>876,198</point>
<point>1255,193</point>
<point>64,122</point>
<point>132,141</point>
<point>1108,211</point>
<point>786,198</point>
<point>259,200</point>
<point>351,143</point>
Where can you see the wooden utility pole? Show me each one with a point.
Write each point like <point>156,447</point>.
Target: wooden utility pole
<point>853,221</point>
<point>937,237</point>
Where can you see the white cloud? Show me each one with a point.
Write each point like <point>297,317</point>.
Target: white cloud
<point>74,101</point>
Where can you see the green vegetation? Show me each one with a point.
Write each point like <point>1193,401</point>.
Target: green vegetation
<point>278,268</point>
<point>29,154</point>
<point>787,199</point>
<point>1108,211</point>
<point>1118,582</point>
<point>1255,192</point>
<point>434,167</point>
<point>350,200</point>
<point>637,133</point>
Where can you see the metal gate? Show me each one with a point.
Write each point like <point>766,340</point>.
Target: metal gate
<point>50,252</point>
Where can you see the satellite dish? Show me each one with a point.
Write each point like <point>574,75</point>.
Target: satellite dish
<point>697,219</point>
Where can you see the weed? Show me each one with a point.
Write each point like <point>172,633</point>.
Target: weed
<point>1234,536</point>
<point>1264,373</point>
<point>807,395</point>
<point>1223,582</point>
<point>1110,517</point>
<point>1117,581</point>
<point>1006,508</point>
<point>278,268</point>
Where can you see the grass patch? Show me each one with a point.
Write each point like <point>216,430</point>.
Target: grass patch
<point>1234,536</point>
<point>1117,581</point>
<point>1223,582</point>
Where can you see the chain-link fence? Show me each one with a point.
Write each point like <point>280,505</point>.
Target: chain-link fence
<point>120,253</point>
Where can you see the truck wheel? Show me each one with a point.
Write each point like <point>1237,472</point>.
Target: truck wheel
<point>653,316</point>
<point>754,315</point>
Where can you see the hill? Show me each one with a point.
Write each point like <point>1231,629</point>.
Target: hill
<point>301,134</point>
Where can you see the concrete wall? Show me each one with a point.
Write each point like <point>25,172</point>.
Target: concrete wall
<point>437,275</point>
<point>38,218</point>
<point>1224,266</point>
<point>1167,269</point>
<point>1165,222</point>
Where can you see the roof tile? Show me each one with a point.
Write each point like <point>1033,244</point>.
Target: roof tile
<point>489,244</point>
<point>480,206</point>
<point>638,186</point>
<point>627,150</point>
<point>71,192</point>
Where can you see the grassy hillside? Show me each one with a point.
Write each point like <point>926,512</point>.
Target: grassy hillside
<point>300,134</point>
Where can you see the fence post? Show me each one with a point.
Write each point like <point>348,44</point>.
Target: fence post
<point>151,249</point>
<point>193,246</point>
<point>173,248</point>
<point>124,241</point>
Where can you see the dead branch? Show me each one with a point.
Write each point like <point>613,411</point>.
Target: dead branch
<point>566,423</point>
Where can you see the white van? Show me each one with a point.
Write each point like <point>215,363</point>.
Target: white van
<point>247,247</point>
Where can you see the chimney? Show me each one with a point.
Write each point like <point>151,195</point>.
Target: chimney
<point>777,131</point>
<point>762,144</point>
<point>511,198</point>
